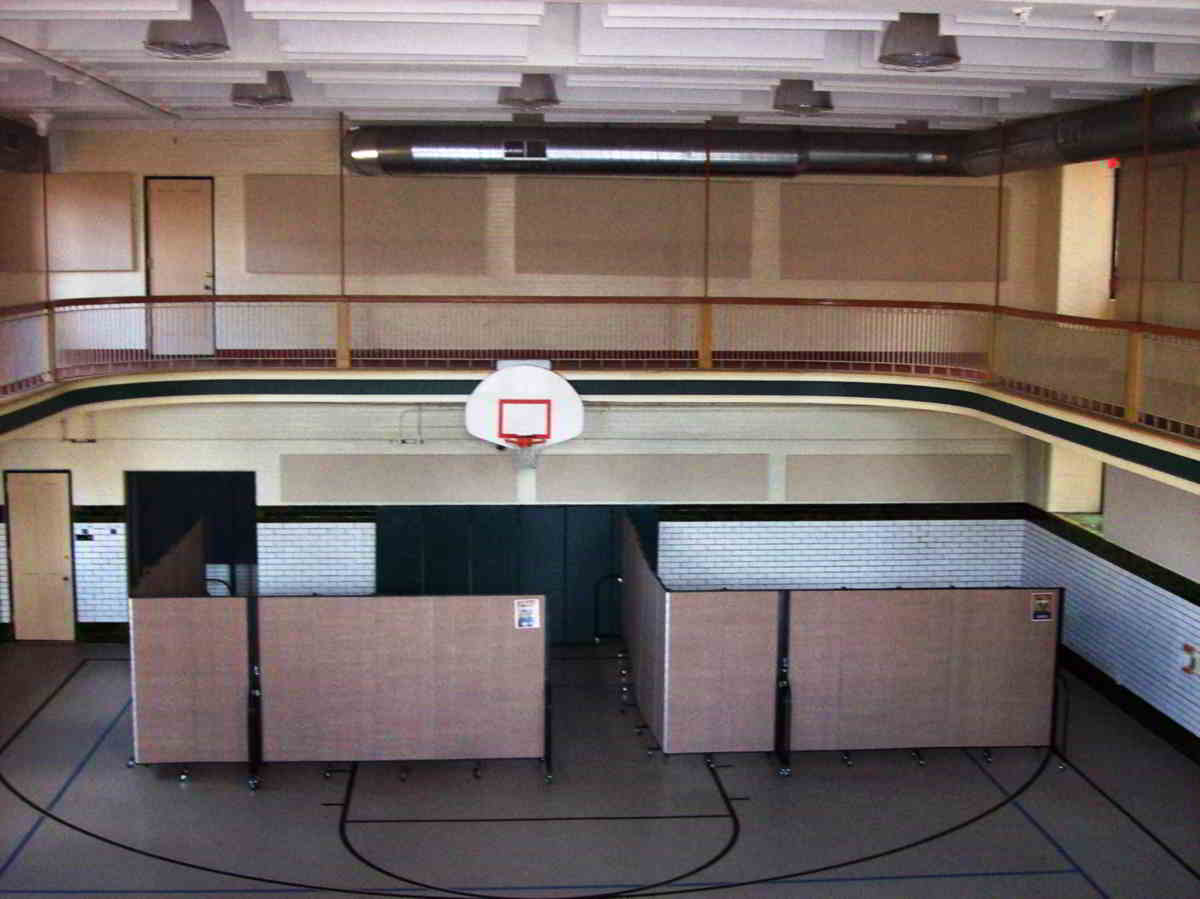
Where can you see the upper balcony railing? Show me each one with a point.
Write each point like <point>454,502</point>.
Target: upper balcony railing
<point>1144,374</point>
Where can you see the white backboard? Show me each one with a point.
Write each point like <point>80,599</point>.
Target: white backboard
<point>524,400</point>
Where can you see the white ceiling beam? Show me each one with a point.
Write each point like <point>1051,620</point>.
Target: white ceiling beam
<point>413,76</point>
<point>491,12</point>
<point>95,9</point>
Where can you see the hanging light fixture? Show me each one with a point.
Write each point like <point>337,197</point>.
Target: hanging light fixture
<point>913,43</point>
<point>798,98</point>
<point>535,92</point>
<point>274,92</point>
<point>200,37</point>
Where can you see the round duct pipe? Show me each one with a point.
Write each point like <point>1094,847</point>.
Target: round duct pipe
<point>615,150</point>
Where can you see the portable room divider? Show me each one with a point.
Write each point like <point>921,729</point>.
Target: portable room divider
<point>879,669</point>
<point>740,671</point>
<point>341,678</point>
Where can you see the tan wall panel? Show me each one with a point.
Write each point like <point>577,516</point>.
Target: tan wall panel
<point>90,222</point>
<point>408,226</point>
<point>397,478</point>
<point>22,244</point>
<point>189,679</point>
<point>387,677</point>
<point>888,232</point>
<point>1190,244</point>
<point>292,224</point>
<point>652,478</point>
<point>1163,221</point>
<point>721,678</point>
<point>1154,520</point>
<point>623,226</point>
<point>901,478</point>
<point>875,669</point>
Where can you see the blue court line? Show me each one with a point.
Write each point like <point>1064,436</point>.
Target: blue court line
<point>1040,829</point>
<point>8,863</point>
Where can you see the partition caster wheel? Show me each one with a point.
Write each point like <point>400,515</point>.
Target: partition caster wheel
<point>253,783</point>
<point>130,763</point>
<point>987,756</point>
<point>549,778</point>
<point>784,772</point>
<point>328,772</point>
<point>185,775</point>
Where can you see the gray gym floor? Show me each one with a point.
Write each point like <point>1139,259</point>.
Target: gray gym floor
<point>614,819</point>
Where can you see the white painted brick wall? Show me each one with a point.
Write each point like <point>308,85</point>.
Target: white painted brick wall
<point>5,610</point>
<point>336,559</point>
<point>831,554</point>
<point>327,558</point>
<point>1127,627</point>
<point>101,577</point>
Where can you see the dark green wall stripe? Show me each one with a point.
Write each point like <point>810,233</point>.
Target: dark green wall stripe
<point>1120,447</point>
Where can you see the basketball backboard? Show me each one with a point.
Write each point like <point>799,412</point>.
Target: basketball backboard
<point>523,406</point>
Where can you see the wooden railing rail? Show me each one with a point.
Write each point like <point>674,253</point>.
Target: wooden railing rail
<point>1071,360</point>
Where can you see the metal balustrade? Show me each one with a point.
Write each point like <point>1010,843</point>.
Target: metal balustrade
<point>1145,374</point>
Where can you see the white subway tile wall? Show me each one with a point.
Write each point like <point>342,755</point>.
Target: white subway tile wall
<point>1127,627</point>
<point>101,578</point>
<point>5,611</point>
<point>334,559</point>
<point>326,558</point>
<point>710,555</point>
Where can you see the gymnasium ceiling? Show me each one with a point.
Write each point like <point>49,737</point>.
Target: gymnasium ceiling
<point>652,61</point>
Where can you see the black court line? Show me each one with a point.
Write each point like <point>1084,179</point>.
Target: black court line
<point>41,707</point>
<point>522,820</point>
<point>1191,869</point>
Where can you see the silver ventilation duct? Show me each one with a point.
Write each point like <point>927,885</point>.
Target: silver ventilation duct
<point>628,150</point>
<point>1101,131</point>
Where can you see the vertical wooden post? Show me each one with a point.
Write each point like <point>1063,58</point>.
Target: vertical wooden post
<point>51,343</point>
<point>704,336</point>
<point>342,354</point>
<point>1134,379</point>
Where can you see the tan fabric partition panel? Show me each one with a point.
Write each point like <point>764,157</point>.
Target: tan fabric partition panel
<point>412,677</point>
<point>632,226</point>
<point>876,669</point>
<point>90,222</point>
<point>190,679</point>
<point>643,621</point>
<point>721,661</point>
<point>293,224</point>
<point>887,232</point>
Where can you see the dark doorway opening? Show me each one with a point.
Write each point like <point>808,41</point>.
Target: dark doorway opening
<point>190,533</point>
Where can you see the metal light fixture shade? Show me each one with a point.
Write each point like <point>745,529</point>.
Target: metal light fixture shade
<point>799,98</point>
<point>535,92</point>
<point>914,44</point>
<point>275,92</point>
<point>200,37</point>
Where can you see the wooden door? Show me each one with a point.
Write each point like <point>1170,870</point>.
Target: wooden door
<point>179,262</point>
<point>39,552</point>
